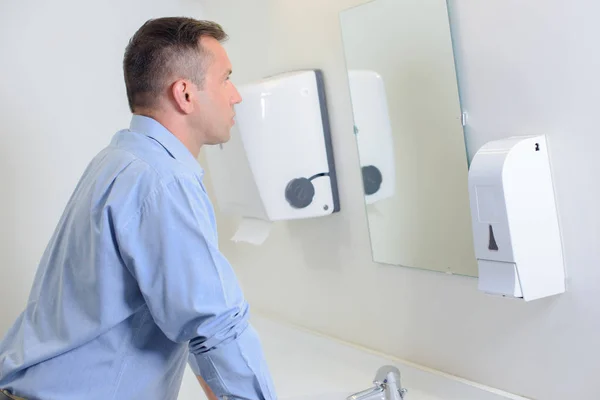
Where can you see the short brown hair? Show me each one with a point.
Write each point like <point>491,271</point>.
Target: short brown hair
<point>163,49</point>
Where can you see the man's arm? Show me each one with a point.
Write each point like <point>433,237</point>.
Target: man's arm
<point>170,247</point>
<point>209,393</point>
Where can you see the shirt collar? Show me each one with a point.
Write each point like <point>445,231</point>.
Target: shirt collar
<point>152,128</point>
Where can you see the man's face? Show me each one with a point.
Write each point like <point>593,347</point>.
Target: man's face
<point>217,96</point>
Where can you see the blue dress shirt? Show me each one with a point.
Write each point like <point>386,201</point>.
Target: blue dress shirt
<point>132,286</point>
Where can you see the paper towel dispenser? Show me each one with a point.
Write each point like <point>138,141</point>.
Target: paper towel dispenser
<point>279,163</point>
<point>373,131</point>
<point>515,223</point>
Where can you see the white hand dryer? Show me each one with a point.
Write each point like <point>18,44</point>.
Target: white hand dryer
<point>373,131</point>
<point>279,163</point>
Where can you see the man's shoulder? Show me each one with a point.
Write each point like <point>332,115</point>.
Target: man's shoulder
<point>146,158</point>
<point>130,171</point>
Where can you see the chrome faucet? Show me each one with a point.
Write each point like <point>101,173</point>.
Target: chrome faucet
<point>387,386</point>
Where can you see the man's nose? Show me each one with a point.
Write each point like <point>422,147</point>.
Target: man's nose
<point>237,98</point>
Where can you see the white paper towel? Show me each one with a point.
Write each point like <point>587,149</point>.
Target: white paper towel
<point>252,230</point>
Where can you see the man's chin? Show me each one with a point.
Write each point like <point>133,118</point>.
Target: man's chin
<point>220,140</point>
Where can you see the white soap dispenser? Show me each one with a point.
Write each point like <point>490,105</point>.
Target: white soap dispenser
<point>515,223</point>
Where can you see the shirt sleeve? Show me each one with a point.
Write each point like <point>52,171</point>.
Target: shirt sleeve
<point>170,247</point>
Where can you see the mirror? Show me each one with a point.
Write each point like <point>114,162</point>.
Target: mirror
<point>409,133</point>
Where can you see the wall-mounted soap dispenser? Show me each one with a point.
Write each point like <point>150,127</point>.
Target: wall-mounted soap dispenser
<point>515,223</point>
<point>279,163</point>
<point>373,131</point>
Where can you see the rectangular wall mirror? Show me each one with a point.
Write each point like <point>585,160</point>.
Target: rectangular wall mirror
<point>409,133</point>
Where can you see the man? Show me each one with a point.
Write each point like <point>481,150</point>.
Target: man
<point>132,284</point>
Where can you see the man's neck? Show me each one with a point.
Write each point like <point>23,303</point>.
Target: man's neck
<point>178,128</point>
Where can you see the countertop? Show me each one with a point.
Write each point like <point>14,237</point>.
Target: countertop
<point>309,366</point>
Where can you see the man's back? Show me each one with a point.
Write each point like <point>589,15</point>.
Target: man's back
<point>94,326</point>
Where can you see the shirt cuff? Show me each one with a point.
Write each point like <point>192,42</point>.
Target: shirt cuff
<point>236,370</point>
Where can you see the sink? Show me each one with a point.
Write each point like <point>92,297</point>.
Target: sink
<point>412,394</point>
<point>321,396</point>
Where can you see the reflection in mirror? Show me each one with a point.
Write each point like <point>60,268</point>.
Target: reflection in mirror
<point>409,133</point>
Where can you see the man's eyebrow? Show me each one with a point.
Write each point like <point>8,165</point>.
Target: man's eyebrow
<point>228,72</point>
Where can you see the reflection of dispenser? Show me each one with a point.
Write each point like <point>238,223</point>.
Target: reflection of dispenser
<point>373,133</point>
<point>515,223</point>
<point>280,166</point>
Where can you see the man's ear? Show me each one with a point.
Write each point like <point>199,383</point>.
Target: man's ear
<point>183,95</point>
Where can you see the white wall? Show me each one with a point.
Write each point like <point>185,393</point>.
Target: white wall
<point>524,67</point>
<point>62,97</point>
